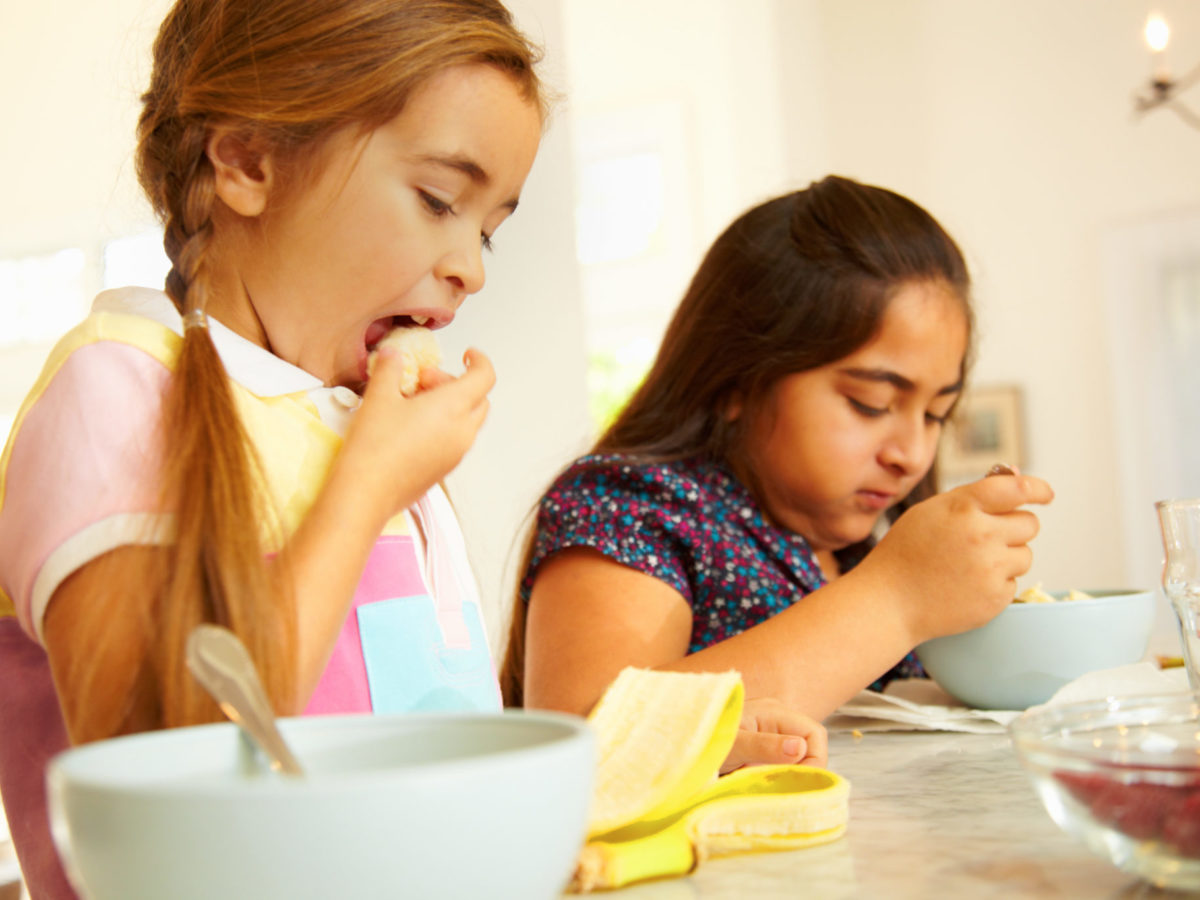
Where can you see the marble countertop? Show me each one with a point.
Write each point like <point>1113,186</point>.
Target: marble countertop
<point>932,815</point>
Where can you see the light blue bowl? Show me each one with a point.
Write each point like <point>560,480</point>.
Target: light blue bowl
<point>426,806</point>
<point>1025,654</point>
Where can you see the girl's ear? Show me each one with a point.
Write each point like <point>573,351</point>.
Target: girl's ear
<point>733,406</point>
<point>244,174</point>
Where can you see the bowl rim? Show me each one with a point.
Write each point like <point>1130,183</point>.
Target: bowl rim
<point>1034,727</point>
<point>1097,597</point>
<point>72,765</point>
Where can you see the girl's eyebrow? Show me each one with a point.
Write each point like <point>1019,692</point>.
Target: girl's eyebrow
<point>896,379</point>
<point>463,164</point>
<point>466,166</point>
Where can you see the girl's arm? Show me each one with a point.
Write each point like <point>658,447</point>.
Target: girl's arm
<point>96,626</point>
<point>947,565</point>
<point>589,617</point>
<point>395,450</point>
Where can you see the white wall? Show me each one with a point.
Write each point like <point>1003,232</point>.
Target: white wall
<point>1014,124</point>
<point>72,74</point>
<point>529,320</point>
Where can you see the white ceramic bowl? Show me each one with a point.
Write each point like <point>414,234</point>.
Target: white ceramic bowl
<point>430,806</point>
<point>1123,776</point>
<point>1025,654</point>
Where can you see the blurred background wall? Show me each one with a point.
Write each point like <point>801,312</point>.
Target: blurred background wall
<point>1012,123</point>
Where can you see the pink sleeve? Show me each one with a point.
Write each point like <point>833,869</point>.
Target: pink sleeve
<point>80,479</point>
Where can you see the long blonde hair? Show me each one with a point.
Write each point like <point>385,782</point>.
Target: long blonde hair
<point>284,75</point>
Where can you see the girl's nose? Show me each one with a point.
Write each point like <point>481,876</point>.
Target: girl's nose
<point>910,446</point>
<point>462,266</point>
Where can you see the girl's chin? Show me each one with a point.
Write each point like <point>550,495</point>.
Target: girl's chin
<point>857,532</point>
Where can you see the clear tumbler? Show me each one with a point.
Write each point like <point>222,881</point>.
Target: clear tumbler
<point>1179,521</point>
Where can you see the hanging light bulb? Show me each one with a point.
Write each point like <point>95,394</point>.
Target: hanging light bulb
<point>1164,89</point>
<point>1157,32</point>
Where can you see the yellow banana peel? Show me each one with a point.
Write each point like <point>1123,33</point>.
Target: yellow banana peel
<point>659,808</point>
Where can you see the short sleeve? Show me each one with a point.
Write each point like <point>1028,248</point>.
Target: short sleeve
<point>77,478</point>
<point>636,515</point>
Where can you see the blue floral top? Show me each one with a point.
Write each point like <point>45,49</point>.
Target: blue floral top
<point>692,524</point>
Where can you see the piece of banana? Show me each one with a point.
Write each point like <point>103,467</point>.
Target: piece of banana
<point>659,808</point>
<point>418,349</point>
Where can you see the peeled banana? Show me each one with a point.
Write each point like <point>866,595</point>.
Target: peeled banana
<point>659,808</point>
<point>417,347</point>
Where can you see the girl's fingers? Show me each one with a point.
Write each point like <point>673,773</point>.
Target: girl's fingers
<point>479,379</point>
<point>479,366</point>
<point>817,747</point>
<point>431,377</point>
<point>1019,528</point>
<point>472,386</point>
<point>1004,493</point>
<point>385,372</point>
<point>756,748</point>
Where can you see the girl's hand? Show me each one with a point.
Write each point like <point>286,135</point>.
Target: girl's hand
<point>401,446</point>
<point>953,560</point>
<point>774,734</point>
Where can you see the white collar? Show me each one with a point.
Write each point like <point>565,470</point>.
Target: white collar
<point>255,368</point>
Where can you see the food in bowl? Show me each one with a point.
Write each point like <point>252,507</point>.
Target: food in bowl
<point>1035,594</point>
<point>390,806</point>
<point>1123,776</point>
<point>1030,650</point>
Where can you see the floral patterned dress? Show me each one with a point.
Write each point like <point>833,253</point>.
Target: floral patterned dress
<point>692,524</point>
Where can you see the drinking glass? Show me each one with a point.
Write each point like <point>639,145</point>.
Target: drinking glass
<point>1179,521</point>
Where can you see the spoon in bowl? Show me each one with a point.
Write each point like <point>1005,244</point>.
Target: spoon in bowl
<point>220,662</point>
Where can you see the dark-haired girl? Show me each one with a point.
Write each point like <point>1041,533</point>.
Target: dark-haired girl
<point>727,518</point>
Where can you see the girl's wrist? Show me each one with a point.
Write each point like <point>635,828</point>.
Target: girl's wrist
<point>888,600</point>
<point>348,496</point>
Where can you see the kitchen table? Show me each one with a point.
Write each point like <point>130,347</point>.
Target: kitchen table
<point>932,815</point>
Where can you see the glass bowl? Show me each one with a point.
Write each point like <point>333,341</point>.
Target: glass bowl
<point>1123,776</point>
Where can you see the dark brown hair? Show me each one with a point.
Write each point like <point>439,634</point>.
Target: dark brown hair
<point>284,75</point>
<point>796,283</point>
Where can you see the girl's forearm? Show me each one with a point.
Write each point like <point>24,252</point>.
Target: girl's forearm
<point>324,561</point>
<point>589,617</point>
<point>817,654</point>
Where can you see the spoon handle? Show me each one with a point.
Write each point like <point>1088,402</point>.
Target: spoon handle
<point>220,662</point>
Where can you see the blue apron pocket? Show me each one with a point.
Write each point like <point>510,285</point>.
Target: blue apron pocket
<point>409,668</point>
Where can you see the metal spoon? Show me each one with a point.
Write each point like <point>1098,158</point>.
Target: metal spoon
<point>220,662</point>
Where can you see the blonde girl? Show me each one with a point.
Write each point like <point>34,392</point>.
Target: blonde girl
<point>325,170</point>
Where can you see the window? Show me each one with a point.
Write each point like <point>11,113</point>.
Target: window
<point>43,296</point>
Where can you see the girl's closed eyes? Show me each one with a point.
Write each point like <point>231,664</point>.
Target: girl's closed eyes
<point>435,206</point>
<point>874,412</point>
<point>871,412</point>
<point>440,208</point>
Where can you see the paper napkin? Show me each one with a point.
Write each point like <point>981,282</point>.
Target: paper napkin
<point>918,704</point>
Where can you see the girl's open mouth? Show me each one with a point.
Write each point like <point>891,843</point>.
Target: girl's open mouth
<point>379,329</point>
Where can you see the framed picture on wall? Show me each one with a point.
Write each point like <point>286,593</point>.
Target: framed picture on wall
<point>986,429</point>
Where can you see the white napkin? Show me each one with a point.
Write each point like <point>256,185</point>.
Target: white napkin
<point>918,704</point>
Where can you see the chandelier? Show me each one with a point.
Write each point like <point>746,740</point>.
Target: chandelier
<point>1163,89</point>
